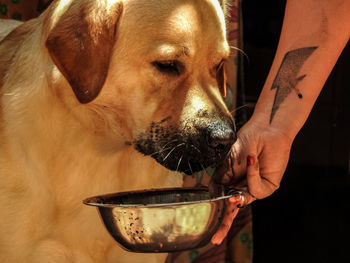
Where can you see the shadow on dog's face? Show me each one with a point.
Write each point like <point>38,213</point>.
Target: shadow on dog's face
<point>163,91</point>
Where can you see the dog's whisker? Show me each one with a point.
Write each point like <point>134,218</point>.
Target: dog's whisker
<point>237,48</point>
<point>178,164</point>
<point>163,149</point>
<point>241,51</point>
<point>165,145</point>
<point>160,151</point>
<point>172,151</point>
<point>195,148</point>
<point>189,165</point>
<point>238,108</point>
<point>202,166</point>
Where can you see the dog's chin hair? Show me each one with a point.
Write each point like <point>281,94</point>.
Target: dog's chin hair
<point>182,161</point>
<point>188,168</point>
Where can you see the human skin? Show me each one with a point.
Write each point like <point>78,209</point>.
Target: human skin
<point>314,33</point>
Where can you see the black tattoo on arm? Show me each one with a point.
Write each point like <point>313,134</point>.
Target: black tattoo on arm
<point>286,78</point>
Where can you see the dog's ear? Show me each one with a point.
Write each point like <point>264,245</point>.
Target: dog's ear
<point>221,79</point>
<point>81,44</point>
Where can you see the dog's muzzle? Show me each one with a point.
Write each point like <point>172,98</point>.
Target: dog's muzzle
<point>200,144</point>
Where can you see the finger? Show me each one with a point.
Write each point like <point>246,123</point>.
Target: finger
<point>259,187</point>
<point>246,198</point>
<point>231,167</point>
<point>231,213</point>
<point>240,197</point>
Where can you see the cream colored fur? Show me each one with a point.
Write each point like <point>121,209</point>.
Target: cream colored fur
<point>55,151</point>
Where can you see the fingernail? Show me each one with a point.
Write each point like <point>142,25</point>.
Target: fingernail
<point>233,200</point>
<point>214,240</point>
<point>250,160</point>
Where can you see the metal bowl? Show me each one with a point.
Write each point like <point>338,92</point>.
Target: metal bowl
<point>161,220</point>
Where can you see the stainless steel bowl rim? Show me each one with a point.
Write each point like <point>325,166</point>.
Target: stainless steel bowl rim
<point>88,202</point>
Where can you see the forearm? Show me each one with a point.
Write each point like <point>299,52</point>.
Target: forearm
<point>313,35</point>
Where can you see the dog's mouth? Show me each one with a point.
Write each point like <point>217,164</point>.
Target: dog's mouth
<point>187,151</point>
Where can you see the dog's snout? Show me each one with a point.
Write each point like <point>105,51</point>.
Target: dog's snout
<point>203,142</point>
<point>221,136</point>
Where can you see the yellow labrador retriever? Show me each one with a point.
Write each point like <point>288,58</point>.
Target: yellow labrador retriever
<point>102,96</point>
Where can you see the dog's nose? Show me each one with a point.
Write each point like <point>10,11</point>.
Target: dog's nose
<point>221,136</point>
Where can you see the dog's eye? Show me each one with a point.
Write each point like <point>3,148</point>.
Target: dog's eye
<point>168,67</point>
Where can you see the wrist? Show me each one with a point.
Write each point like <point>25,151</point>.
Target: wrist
<point>289,118</point>
<point>261,122</point>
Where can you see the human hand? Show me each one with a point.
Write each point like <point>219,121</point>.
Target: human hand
<point>256,164</point>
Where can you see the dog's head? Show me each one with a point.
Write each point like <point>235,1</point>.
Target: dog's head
<point>150,73</point>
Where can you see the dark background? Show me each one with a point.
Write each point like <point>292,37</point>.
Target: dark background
<point>306,220</point>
